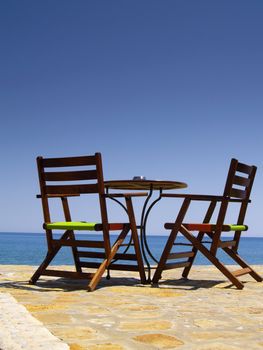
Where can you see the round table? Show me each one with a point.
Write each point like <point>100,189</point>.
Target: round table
<point>146,185</point>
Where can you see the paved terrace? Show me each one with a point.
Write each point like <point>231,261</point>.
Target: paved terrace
<point>205,312</point>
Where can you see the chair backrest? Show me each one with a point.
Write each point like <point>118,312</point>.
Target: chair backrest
<point>71,176</point>
<point>238,187</point>
<point>239,180</point>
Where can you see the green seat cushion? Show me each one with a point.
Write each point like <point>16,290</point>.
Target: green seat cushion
<point>71,225</point>
<point>238,227</point>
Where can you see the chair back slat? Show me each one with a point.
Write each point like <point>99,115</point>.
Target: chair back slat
<point>71,189</point>
<point>70,175</point>
<point>236,193</point>
<point>244,168</point>
<point>241,181</point>
<point>68,161</point>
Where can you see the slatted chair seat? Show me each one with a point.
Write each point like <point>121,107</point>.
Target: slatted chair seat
<point>82,226</point>
<point>237,191</point>
<point>209,227</point>
<point>100,253</point>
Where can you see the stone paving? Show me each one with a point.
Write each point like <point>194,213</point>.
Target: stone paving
<point>202,313</point>
<point>20,330</point>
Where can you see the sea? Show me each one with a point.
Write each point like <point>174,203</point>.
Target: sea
<point>30,249</point>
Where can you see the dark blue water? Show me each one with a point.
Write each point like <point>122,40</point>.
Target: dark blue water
<point>30,249</point>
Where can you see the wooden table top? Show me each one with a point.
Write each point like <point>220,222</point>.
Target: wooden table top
<point>144,184</point>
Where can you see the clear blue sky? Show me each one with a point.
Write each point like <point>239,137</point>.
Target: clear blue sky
<point>167,89</point>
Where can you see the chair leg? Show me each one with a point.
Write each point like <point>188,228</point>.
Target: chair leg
<point>49,257</point>
<point>211,258</point>
<point>52,251</point>
<point>170,241</point>
<point>71,233</point>
<point>75,253</point>
<point>207,218</point>
<point>100,271</point>
<point>234,255</point>
<point>161,265</point>
<point>97,276</point>
<point>191,260</point>
<point>243,264</point>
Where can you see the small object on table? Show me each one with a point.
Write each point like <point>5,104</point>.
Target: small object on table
<point>139,178</point>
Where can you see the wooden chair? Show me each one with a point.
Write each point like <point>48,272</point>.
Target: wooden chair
<point>237,191</point>
<point>84,175</point>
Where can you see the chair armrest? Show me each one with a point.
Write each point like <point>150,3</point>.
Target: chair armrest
<point>59,195</point>
<point>197,197</point>
<point>123,195</point>
<point>202,197</point>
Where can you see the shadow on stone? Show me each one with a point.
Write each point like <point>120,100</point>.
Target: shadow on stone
<point>68,285</point>
<point>188,284</point>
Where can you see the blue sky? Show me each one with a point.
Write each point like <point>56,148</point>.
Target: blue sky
<point>167,89</point>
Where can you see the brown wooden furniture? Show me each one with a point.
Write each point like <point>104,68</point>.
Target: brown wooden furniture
<point>70,177</point>
<point>144,184</point>
<point>237,191</point>
<point>150,186</point>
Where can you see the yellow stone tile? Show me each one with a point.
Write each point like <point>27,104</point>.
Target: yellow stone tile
<point>159,292</point>
<point>146,325</point>
<point>162,341</point>
<point>43,307</point>
<point>76,347</point>
<point>255,310</point>
<point>210,323</point>
<point>142,308</point>
<point>216,335</point>
<point>217,346</point>
<point>80,333</point>
<point>106,346</point>
<point>52,317</point>
<point>96,310</point>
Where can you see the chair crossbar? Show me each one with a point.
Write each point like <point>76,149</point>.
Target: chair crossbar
<point>183,244</point>
<point>180,255</point>
<point>89,254</point>
<point>122,267</point>
<point>68,274</point>
<point>78,243</point>
<point>241,272</point>
<point>224,244</point>
<point>101,255</point>
<point>176,265</point>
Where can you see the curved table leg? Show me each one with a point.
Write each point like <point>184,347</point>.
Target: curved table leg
<point>144,217</point>
<point>146,251</point>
